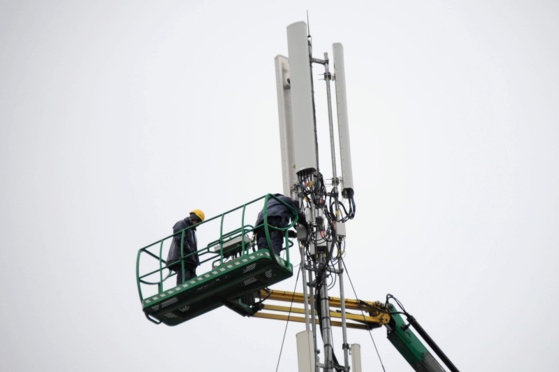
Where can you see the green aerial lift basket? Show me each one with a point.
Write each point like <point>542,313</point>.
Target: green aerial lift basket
<point>222,285</point>
<point>235,269</point>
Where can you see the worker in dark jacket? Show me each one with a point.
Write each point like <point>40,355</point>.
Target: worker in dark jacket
<point>187,240</point>
<point>279,215</point>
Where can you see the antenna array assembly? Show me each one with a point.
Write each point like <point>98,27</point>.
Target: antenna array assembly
<point>322,246</point>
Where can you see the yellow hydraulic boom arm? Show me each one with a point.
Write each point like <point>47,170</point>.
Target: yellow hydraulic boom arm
<point>369,315</point>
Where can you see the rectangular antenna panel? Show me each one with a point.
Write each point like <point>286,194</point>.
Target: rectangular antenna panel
<point>341,108</point>
<point>302,109</point>
<point>285,125</point>
<point>356,358</point>
<point>305,351</point>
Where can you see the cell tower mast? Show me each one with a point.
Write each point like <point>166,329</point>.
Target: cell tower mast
<point>322,244</point>
<point>238,271</point>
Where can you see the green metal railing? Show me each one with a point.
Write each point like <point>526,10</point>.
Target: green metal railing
<point>153,272</point>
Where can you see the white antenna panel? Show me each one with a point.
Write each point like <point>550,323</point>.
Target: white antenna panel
<point>356,358</point>
<point>285,125</point>
<point>305,351</point>
<point>302,110</point>
<point>343,129</point>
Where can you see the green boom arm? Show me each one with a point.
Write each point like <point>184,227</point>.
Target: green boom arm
<point>411,348</point>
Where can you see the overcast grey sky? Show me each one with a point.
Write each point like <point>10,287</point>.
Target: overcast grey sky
<point>118,117</point>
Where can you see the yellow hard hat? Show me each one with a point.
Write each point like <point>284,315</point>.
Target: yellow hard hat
<point>199,214</point>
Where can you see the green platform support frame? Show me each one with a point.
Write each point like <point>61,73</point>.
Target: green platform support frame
<point>231,267</point>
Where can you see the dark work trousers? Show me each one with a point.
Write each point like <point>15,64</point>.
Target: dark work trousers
<point>189,273</point>
<point>276,237</point>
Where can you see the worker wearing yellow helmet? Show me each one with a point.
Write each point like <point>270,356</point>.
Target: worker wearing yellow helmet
<point>183,253</point>
<point>198,215</point>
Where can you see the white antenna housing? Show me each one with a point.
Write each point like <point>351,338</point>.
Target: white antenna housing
<point>343,128</point>
<point>356,358</point>
<point>302,105</point>
<point>286,125</point>
<point>305,352</point>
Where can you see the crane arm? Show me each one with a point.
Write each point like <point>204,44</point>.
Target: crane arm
<point>410,346</point>
<point>368,315</point>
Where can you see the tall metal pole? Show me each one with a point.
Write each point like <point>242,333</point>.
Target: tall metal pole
<point>305,292</point>
<point>312,287</point>
<point>342,308</point>
<point>335,181</point>
<point>325,324</point>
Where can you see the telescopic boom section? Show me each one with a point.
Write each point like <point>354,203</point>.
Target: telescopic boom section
<point>410,346</point>
<point>365,315</point>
